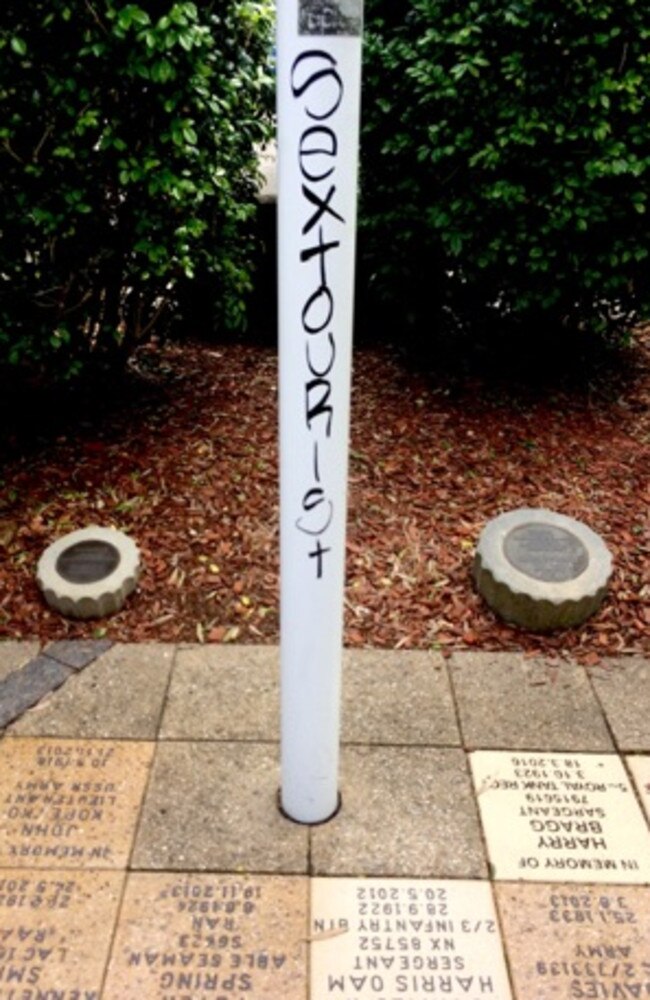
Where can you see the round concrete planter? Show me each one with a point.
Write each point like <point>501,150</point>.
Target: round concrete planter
<point>541,570</point>
<point>89,573</point>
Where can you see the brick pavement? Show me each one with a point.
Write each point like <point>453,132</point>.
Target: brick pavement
<point>493,839</point>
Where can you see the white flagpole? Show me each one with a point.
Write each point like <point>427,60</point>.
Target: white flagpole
<point>318,101</point>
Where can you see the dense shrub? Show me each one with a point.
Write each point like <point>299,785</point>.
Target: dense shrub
<point>506,161</point>
<point>127,165</point>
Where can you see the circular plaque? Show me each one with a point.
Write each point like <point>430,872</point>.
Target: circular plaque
<point>89,573</point>
<point>87,562</point>
<point>541,570</point>
<point>546,552</point>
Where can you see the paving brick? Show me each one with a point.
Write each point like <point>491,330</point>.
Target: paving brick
<point>561,817</point>
<point>15,653</point>
<point>24,688</point>
<point>56,932</point>
<point>405,812</point>
<point>397,697</point>
<point>211,936</point>
<point>505,700</point>
<point>233,693</point>
<point>569,941</point>
<point>77,653</point>
<point>640,770</point>
<point>375,938</point>
<point>70,804</point>
<point>213,806</point>
<point>120,696</point>
<point>223,693</point>
<point>623,687</point>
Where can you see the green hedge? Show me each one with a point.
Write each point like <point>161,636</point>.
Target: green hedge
<point>506,161</point>
<point>127,162</point>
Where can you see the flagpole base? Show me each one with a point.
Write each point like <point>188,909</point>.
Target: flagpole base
<point>310,822</point>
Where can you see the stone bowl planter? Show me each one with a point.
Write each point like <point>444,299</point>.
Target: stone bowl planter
<point>89,573</point>
<point>541,570</point>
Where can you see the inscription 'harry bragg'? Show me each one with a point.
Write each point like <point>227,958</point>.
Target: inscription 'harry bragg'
<point>317,86</point>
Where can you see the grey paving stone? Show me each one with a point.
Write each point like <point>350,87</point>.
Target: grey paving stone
<point>397,697</point>
<point>15,653</point>
<point>507,701</point>
<point>77,653</point>
<point>623,688</point>
<point>223,693</point>
<point>405,811</point>
<point>25,687</point>
<point>232,693</point>
<point>213,806</point>
<point>120,696</point>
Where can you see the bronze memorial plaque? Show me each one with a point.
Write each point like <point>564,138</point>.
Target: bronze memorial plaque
<point>210,936</point>
<point>411,938</point>
<point>70,803</point>
<point>560,817</point>
<point>568,942</point>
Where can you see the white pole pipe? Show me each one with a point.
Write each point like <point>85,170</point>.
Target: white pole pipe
<point>318,100</point>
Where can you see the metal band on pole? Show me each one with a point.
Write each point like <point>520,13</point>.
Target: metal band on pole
<point>318,100</point>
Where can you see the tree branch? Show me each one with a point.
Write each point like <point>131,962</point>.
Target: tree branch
<point>96,17</point>
<point>7,146</point>
<point>46,134</point>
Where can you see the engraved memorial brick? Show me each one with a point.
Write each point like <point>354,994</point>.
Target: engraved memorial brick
<point>215,936</point>
<point>69,803</point>
<point>55,932</point>
<point>374,938</point>
<point>560,817</point>
<point>576,941</point>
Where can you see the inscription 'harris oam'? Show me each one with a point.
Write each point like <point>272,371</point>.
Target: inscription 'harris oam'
<point>317,87</point>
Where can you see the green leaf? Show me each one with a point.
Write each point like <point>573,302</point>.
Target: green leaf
<point>162,71</point>
<point>19,45</point>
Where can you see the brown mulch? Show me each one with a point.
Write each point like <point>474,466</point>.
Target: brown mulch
<point>184,459</point>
